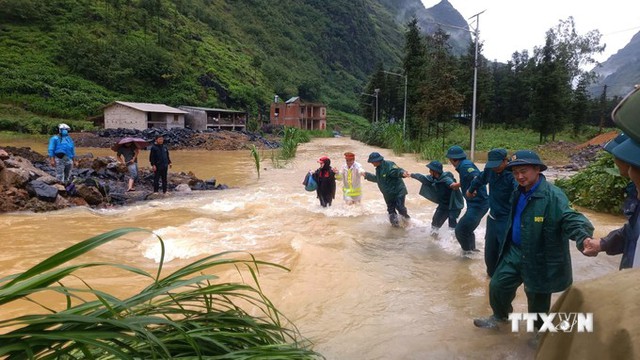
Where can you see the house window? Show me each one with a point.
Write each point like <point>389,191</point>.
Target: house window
<point>322,111</point>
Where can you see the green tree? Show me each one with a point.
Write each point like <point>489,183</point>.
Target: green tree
<point>414,64</point>
<point>579,105</point>
<point>439,98</point>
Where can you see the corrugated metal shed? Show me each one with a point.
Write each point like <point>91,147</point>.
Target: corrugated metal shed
<point>155,108</point>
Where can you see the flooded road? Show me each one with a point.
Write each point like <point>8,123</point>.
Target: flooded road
<point>358,288</point>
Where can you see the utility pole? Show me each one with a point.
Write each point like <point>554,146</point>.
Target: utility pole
<point>377,92</point>
<point>476,34</point>
<point>475,87</point>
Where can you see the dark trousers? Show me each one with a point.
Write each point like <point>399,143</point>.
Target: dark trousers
<point>160,173</point>
<point>395,206</point>
<point>493,238</point>
<point>467,225</point>
<point>504,283</point>
<point>443,213</point>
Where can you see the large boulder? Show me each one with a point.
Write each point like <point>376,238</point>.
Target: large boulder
<point>90,194</point>
<point>14,177</point>
<point>42,191</point>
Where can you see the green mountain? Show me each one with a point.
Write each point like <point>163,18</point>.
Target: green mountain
<point>68,58</point>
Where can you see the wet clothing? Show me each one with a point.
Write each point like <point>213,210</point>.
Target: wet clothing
<point>60,146</point>
<point>501,186</point>
<point>631,200</point>
<point>159,157</point>
<point>351,182</point>
<point>438,190</point>
<point>477,206</point>
<point>624,241</point>
<point>129,155</point>
<point>326,179</point>
<point>541,260</point>
<point>63,151</point>
<point>388,176</point>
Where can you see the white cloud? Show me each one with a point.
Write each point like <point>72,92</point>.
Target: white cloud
<point>510,25</point>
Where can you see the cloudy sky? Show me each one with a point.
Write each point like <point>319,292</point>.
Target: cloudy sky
<point>511,25</point>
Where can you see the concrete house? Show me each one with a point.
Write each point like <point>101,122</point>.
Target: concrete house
<point>200,118</point>
<point>140,116</point>
<point>296,113</point>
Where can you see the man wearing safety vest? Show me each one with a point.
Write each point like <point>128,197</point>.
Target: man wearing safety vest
<point>350,175</point>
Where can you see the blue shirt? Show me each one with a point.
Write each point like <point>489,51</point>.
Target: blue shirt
<point>522,203</point>
<point>501,186</point>
<point>468,171</point>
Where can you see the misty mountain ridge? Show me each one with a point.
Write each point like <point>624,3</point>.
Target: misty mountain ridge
<point>620,72</point>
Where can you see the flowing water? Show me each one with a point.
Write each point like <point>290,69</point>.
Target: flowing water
<point>358,288</point>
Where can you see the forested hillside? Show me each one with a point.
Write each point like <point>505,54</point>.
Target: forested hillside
<point>68,58</point>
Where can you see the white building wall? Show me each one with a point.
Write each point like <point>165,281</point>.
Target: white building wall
<point>118,116</point>
<point>174,120</point>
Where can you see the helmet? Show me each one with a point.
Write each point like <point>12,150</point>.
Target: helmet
<point>63,127</point>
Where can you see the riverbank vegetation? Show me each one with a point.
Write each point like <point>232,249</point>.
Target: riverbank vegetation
<point>188,313</point>
<point>487,137</point>
<point>599,187</point>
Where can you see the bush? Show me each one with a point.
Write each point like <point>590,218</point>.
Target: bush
<point>598,187</point>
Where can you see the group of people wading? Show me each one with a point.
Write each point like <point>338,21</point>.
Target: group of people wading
<point>529,225</point>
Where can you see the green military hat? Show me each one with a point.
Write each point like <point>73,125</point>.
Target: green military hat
<point>495,158</point>
<point>456,153</point>
<point>629,152</point>
<point>526,157</point>
<point>627,114</point>
<point>608,147</point>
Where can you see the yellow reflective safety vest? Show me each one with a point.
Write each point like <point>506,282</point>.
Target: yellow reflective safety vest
<point>351,178</point>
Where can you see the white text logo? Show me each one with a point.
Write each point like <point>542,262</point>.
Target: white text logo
<point>553,322</point>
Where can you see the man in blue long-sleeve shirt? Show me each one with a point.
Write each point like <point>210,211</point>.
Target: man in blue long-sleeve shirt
<point>477,206</point>
<point>501,186</point>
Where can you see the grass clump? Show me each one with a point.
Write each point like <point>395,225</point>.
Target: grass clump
<point>187,314</point>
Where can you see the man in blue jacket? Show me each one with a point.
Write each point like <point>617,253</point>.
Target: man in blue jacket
<point>62,151</point>
<point>501,186</point>
<point>389,178</point>
<point>477,206</point>
<point>536,248</point>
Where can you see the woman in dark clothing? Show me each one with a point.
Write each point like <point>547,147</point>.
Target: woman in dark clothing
<point>325,176</point>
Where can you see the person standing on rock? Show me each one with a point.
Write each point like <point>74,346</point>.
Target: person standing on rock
<point>160,163</point>
<point>128,155</point>
<point>62,151</point>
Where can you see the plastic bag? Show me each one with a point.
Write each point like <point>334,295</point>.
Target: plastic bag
<point>309,183</point>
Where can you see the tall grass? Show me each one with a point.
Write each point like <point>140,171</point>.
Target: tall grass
<point>256,158</point>
<point>187,314</point>
<point>292,137</point>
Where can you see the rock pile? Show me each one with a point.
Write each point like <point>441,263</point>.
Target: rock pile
<point>27,182</point>
<point>178,138</point>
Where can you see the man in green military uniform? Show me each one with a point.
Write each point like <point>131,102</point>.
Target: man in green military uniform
<point>536,249</point>
<point>389,178</point>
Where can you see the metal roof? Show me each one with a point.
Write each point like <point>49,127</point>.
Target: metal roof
<point>155,108</point>
<point>213,109</point>
<point>293,99</point>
